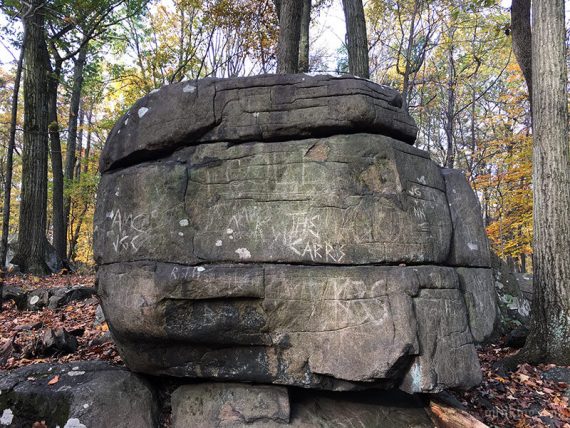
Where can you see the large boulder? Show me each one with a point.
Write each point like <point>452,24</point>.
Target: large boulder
<point>282,229</point>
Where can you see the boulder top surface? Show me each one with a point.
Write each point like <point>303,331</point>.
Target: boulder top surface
<point>263,108</point>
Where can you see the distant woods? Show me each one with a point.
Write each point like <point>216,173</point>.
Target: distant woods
<point>293,47</point>
<point>453,63</point>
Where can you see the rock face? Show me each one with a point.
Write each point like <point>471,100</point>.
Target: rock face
<point>76,395</point>
<point>234,405</point>
<point>282,229</point>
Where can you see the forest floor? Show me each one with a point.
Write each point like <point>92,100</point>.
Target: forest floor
<point>524,398</point>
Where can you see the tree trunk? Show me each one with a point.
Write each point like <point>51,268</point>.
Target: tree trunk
<point>75,236</point>
<point>450,113</point>
<point>70,157</point>
<point>409,49</point>
<point>550,323</point>
<point>289,35</point>
<point>79,148</point>
<point>58,214</point>
<point>32,225</point>
<point>10,166</point>
<point>88,142</point>
<point>357,40</point>
<point>304,40</point>
<point>10,156</point>
<point>522,39</point>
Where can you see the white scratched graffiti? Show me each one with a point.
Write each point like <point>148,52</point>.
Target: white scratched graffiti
<point>188,272</point>
<point>129,232</point>
<point>302,237</point>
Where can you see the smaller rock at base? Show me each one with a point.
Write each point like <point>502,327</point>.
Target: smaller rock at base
<point>36,300</point>
<point>57,341</point>
<point>17,294</point>
<point>76,395</point>
<point>229,404</point>
<point>99,316</point>
<point>101,340</point>
<point>64,295</point>
<point>558,374</point>
<point>241,405</point>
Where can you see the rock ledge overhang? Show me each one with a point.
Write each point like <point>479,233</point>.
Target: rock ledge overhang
<point>260,108</point>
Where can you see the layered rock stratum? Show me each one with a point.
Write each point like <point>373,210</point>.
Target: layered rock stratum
<point>284,230</point>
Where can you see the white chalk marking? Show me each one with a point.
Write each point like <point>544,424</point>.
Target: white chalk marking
<point>74,423</point>
<point>189,88</point>
<point>184,222</point>
<point>219,243</point>
<point>473,247</point>
<point>34,300</point>
<point>243,253</point>
<point>76,373</point>
<point>7,416</point>
<point>142,111</point>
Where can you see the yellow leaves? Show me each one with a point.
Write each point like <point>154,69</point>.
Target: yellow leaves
<point>508,189</point>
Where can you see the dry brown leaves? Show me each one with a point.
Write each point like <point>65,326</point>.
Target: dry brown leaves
<point>21,330</point>
<point>520,399</point>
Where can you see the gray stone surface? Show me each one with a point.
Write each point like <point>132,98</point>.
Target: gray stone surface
<point>525,281</point>
<point>312,326</point>
<point>448,358</point>
<point>86,394</point>
<point>231,405</point>
<point>282,230</point>
<point>469,246</point>
<point>352,199</point>
<point>39,298</point>
<point>208,405</point>
<point>514,307</point>
<point>478,288</point>
<point>259,108</point>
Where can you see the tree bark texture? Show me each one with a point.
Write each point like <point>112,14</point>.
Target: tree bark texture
<point>549,338</point>
<point>357,40</point>
<point>10,167</point>
<point>450,111</point>
<point>304,38</point>
<point>88,142</point>
<point>522,39</point>
<point>59,236</point>
<point>79,146</point>
<point>289,35</point>
<point>10,157</point>
<point>32,225</point>
<point>70,156</point>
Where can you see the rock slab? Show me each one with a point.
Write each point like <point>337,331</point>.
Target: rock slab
<point>76,395</point>
<point>233,405</point>
<point>259,108</point>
